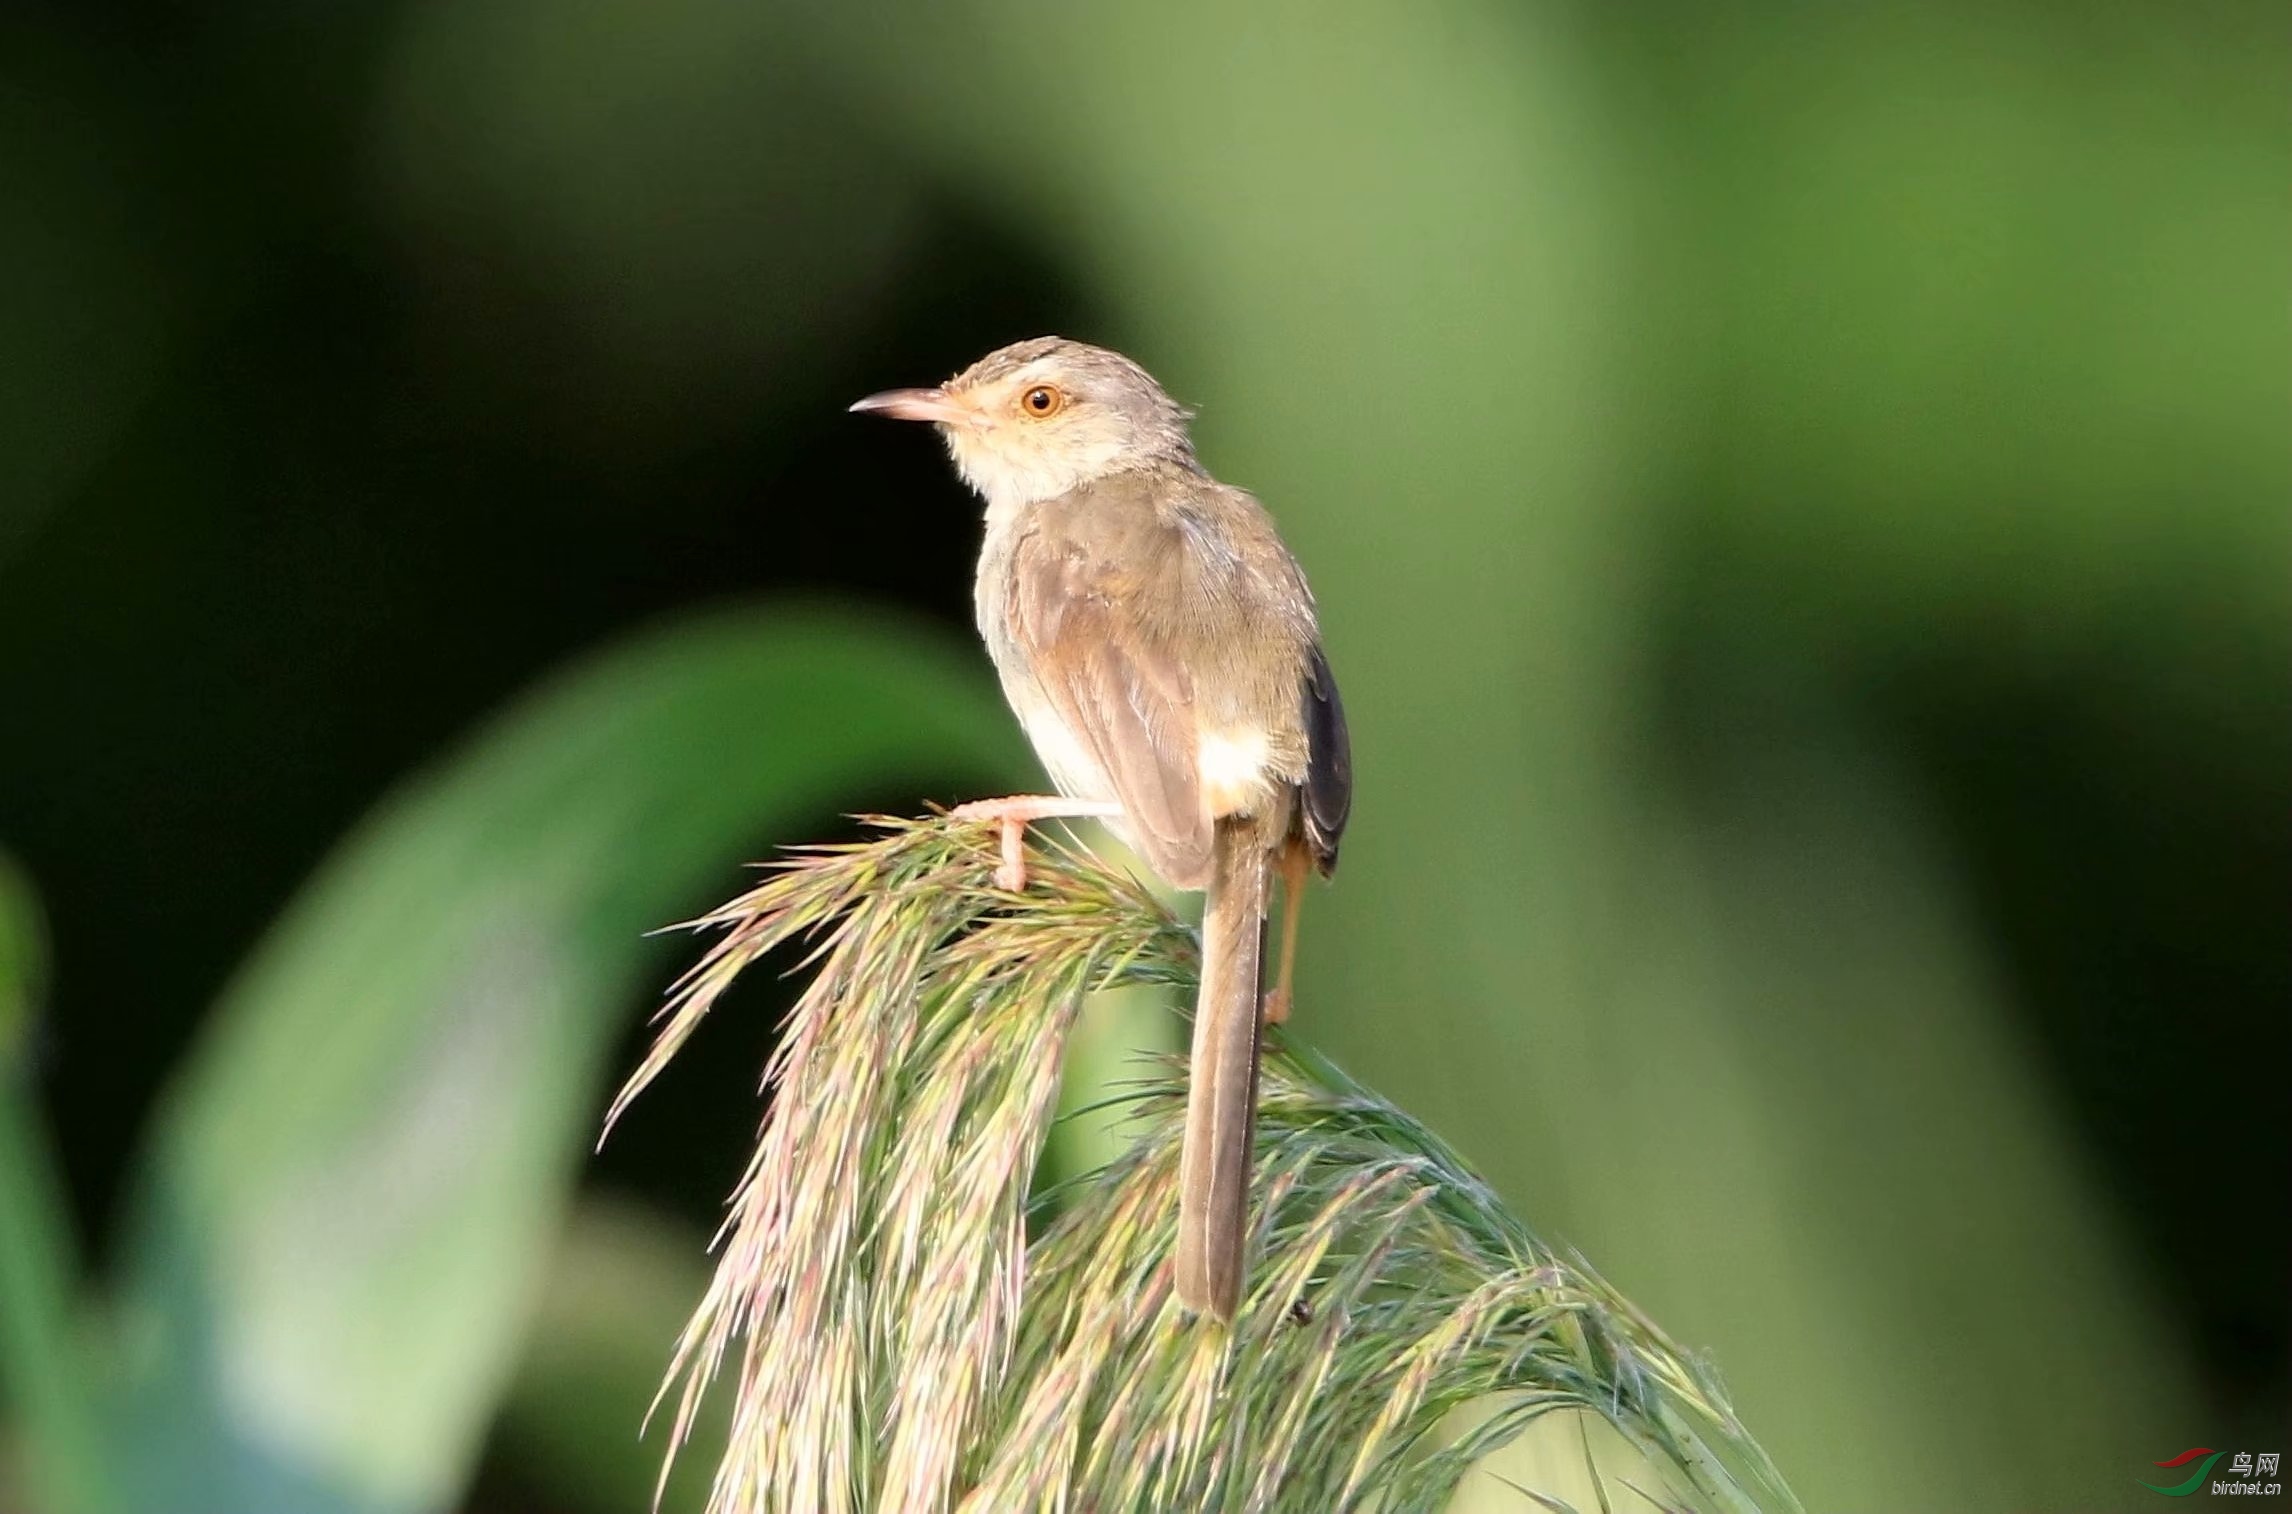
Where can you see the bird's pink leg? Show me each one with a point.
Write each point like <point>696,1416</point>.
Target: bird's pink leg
<point>1014,813</point>
<point>1293,864</point>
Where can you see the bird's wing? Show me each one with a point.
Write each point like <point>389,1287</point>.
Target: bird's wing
<point>1091,609</point>
<point>1328,786</point>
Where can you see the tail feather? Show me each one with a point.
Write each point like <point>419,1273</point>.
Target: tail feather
<point>1221,1096</point>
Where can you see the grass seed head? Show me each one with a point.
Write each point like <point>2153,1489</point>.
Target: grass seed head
<point>898,1344</point>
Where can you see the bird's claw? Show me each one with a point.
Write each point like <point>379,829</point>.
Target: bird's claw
<point>1010,838</point>
<point>1011,871</point>
<point>1012,815</point>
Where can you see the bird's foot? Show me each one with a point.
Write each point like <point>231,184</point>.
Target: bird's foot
<point>1012,815</point>
<point>1275,1006</point>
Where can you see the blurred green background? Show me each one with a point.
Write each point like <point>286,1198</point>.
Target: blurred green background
<point>1798,497</point>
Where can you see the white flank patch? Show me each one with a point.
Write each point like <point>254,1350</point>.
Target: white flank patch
<point>1231,765</point>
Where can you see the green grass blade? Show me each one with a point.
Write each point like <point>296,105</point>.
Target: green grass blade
<point>356,1180</point>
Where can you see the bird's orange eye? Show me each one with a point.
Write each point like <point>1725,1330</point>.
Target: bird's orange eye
<point>1042,400</point>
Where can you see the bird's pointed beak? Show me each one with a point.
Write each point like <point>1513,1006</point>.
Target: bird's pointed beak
<point>918,405</point>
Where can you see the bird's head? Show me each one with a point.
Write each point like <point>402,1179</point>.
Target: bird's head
<point>1040,418</point>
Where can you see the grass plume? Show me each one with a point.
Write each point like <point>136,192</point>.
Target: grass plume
<point>898,1343</point>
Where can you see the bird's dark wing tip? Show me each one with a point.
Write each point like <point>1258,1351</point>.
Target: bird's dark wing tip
<point>1328,787</point>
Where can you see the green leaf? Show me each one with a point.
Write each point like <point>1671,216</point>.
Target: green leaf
<point>1747,1048</point>
<point>48,1389</point>
<point>357,1179</point>
<point>619,1290</point>
<point>23,966</point>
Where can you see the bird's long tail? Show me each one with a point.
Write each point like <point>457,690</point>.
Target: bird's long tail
<point>1221,1096</point>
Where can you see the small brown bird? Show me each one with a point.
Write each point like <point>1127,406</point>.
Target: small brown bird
<point>1158,643</point>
